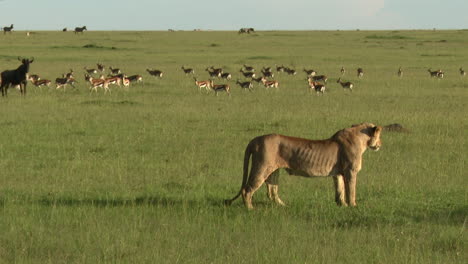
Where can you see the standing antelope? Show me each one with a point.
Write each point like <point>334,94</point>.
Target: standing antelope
<point>343,71</point>
<point>213,73</point>
<point>245,85</point>
<point>202,84</point>
<point>400,72</point>
<point>313,85</point>
<point>100,67</point>
<point>95,83</point>
<point>310,72</point>
<point>360,72</point>
<point>80,29</point>
<point>322,78</point>
<point>7,29</point>
<point>267,73</point>
<point>249,68</point>
<point>462,72</point>
<point>90,71</point>
<point>438,73</point>
<point>220,88</point>
<point>268,84</point>
<point>280,68</point>
<point>135,78</point>
<point>63,82</point>
<point>155,73</point>
<point>248,74</point>
<point>290,71</point>
<point>346,85</point>
<point>114,70</point>
<point>226,76</point>
<point>187,70</point>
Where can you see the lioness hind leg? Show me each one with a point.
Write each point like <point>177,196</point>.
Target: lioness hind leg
<point>272,187</point>
<point>340,197</point>
<point>256,179</point>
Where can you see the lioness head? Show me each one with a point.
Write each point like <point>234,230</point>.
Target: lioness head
<point>374,142</point>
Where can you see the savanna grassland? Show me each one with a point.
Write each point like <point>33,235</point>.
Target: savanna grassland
<point>139,175</point>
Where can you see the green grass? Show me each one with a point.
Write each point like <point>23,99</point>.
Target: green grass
<point>139,175</point>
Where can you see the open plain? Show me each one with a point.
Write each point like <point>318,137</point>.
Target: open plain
<point>139,175</point>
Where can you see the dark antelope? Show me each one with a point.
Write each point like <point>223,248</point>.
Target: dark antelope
<point>7,29</point>
<point>346,85</point>
<point>245,85</point>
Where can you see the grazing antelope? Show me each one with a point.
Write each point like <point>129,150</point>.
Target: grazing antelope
<point>187,70</point>
<point>438,73</point>
<point>343,71</point>
<point>310,72</point>
<point>213,73</point>
<point>155,73</point>
<point>7,29</point>
<point>268,73</point>
<point>322,78</point>
<point>220,88</point>
<point>346,85</point>
<point>217,70</point>
<point>462,72</point>
<point>248,74</point>
<point>90,71</point>
<point>80,29</point>
<point>95,83</point>
<point>360,72</point>
<point>290,71</point>
<point>226,75</point>
<point>135,78</point>
<point>280,68</point>
<point>249,68</point>
<point>269,84</point>
<point>202,84</point>
<point>400,72</point>
<point>114,70</point>
<point>258,80</point>
<point>100,67</point>
<point>245,85</point>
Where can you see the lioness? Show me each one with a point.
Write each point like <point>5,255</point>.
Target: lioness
<point>339,156</point>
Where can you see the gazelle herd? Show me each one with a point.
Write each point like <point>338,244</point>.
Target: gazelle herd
<point>316,82</point>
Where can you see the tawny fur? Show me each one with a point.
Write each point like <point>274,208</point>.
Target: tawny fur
<point>339,156</point>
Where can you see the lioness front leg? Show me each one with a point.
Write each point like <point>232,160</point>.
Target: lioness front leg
<point>340,198</point>
<point>272,187</point>
<point>350,187</point>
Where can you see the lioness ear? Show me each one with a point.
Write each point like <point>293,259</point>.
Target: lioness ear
<point>377,130</point>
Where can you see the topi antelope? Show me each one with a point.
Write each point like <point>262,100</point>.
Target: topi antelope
<point>346,85</point>
<point>155,73</point>
<point>245,85</point>
<point>16,77</point>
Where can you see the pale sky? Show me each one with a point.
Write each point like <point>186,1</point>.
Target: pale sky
<point>234,14</point>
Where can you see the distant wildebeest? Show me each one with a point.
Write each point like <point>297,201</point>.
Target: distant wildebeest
<point>246,30</point>
<point>7,29</point>
<point>16,77</point>
<point>80,29</point>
